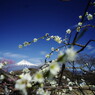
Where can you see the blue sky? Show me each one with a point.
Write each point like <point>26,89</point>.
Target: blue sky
<point>23,20</point>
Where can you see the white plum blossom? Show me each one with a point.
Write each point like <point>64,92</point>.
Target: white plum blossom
<point>70,54</point>
<point>5,62</point>
<point>24,82</point>
<point>11,72</point>
<point>83,80</point>
<point>35,40</point>
<point>20,85</point>
<point>89,16</point>
<point>64,77</point>
<point>47,93</point>
<point>54,68</point>
<point>47,39</point>
<point>21,75</point>
<point>54,60</point>
<point>68,31</point>
<point>70,88</point>
<point>26,43</point>
<point>1,65</point>
<point>68,79</point>
<point>53,83</point>
<point>60,53</point>
<point>80,24</point>
<point>80,17</point>
<point>38,77</point>
<point>86,14</point>
<point>45,69</point>
<point>70,83</point>
<point>2,77</point>
<point>47,56</point>
<point>52,37</point>
<point>57,39</point>
<point>20,46</point>
<point>52,49</point>
<point>78,29</point>
<point>40,91</point>
<point>47,34</point>
<point>82,84</point>
<point>87,64</point>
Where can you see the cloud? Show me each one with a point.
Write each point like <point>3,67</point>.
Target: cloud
<point>43,52</point>
<point>93,51</point>
<point>14,55</point>
<point>90,47</point>
<point>1,57</point>
<point>36,60</point>
<point>20,56</point>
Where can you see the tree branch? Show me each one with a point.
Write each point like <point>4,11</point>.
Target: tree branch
<point>82,20</point>
<point>85,46</point>
<point>63,67</point>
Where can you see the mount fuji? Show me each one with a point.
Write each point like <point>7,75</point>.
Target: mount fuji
<point>25,63</point>
<point>20,66</point>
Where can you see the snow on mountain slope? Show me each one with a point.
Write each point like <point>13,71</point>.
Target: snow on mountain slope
<point>20,66</point>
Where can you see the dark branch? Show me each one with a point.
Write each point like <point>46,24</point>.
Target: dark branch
<point>85,46</point>
<point>63,67</point>
<point>82,20</point>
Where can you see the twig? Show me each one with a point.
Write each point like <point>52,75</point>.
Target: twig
<point>82,20</point>
<point>66,87</point>
<point>85,46</point>
<point>7,75</point>
<point>63,67</point>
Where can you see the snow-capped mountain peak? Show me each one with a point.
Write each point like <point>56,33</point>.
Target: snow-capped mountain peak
<point>24,62</point>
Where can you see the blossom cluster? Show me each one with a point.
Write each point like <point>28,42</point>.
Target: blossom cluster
<point>28,43</point>
<point>24,82</point>
<point>56,39</point>
<point>41,91</point>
